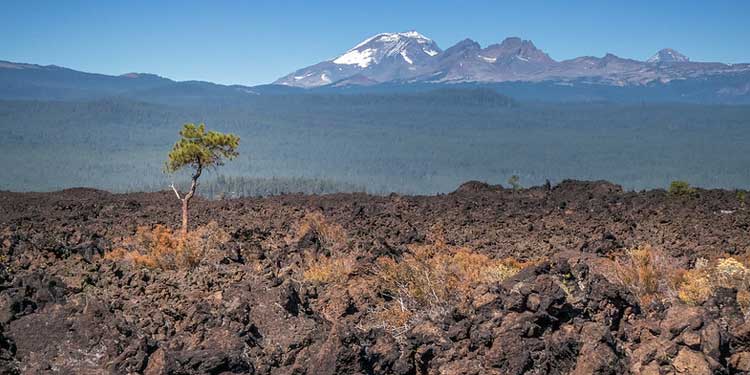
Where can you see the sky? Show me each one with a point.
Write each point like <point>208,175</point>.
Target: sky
<point>256,42</point>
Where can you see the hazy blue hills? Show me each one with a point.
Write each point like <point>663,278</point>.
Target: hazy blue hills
<point>64,128</point>
<point>20,81</point>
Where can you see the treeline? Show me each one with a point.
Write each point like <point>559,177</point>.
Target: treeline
<point>222,187</point>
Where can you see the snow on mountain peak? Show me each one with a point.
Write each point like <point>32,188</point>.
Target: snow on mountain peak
<point>375,48</point>
<point>668,55</point>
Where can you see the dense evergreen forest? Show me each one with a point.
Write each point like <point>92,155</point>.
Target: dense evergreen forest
<point>420,143</point>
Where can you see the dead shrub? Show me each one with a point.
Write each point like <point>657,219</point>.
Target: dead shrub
<point>330,270</point>
<point>335,265</point>
<point>161,247</point>
<point>332,236</point>
<point>701,282</point>
<point>696,287</point>
<point>430,279</point>
<point>649,274</point>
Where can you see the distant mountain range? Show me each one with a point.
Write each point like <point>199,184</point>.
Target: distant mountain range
<point>410,57</point>
<point>410,62</point>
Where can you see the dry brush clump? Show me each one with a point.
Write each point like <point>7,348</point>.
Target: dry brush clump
<point>331,235</point>
<point>426,281</point>
<point>649,273</point>
<point>429,280</point>
<point>330,269</point>
<point>652,275</point>
<point>336,262</point>
<point>163,248</point>
<point>702,281</point>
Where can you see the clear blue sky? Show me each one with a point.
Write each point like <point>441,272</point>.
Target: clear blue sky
<point>253,42</point>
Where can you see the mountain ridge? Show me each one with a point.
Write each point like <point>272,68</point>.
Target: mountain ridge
<point>376,60</point>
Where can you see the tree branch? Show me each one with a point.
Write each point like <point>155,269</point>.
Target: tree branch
<point>194,182</point>
<point>175,191</point>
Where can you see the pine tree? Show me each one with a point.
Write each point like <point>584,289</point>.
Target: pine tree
<point>198,150</point>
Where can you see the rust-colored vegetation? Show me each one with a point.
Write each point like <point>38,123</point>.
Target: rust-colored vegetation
<point>652,275</point>
<point>163,248</point>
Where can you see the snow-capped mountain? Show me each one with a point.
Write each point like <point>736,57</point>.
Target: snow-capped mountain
<point>383,57</point>
<point>668,55</point>
<point>404,47</point>
<point>412,57</point>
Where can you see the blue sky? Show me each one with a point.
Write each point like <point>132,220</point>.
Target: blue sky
<point>253,42</point>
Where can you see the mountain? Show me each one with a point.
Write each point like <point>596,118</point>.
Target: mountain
<point>21,81</point>
<point>668,55</point>
<point>30,81</point>
<point>409,62</point>
<point>380,58</point>
<point>411,57</point>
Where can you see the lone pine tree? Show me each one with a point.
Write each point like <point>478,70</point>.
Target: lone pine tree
<point>198,149</point>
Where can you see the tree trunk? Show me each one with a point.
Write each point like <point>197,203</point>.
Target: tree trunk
<point>184,217</point>
<point>188,197</point>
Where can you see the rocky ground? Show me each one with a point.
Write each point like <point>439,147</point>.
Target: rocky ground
<point>248,307</point>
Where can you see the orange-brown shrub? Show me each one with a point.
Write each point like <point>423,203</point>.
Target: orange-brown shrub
<point>701,282</point>
<point>649,274</point>
<point>429,279</point>
<point>161,247</point>
<point>330,270</point>
<point>331,235</point>
<point>695,285</point>
<point>336,265</point>
<point>652,275</point>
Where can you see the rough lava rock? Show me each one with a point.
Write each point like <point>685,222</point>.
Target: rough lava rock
<point>66,309</point>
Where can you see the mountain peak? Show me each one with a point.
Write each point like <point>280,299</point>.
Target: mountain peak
<point>517,49</point>
<point>668,55</point>
<point>512,42</point>
<point>466,43</point>
<point>409,44</point>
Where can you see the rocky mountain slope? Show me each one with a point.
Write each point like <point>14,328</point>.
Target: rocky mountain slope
<point>264,302</point>
<point>410,57</point>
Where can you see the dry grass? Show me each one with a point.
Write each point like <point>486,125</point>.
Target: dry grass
<point>330,270</point>
<point>430,279</point>
<point>652,275</point>
<point>649,274</point>
<point>332,236</point>
<point>336,265</point>
<point>701,282</point>
<point>161,247</point>
<point>696,287</point>
<point>426,281</point>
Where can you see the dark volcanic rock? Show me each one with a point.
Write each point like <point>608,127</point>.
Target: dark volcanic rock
<point>246,309</point>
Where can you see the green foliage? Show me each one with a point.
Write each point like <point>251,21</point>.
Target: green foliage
<point>199,148</point>
<point>681,189</point>
<point>742,196</point>
<point>514,182</point>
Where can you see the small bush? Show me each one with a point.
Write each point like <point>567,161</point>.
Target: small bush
<point>681,189</point>
<point>430,279</point>
<point>160,247</point>
<point>649,274</point>
<point>742,196</point>
<point>701,282</point>
<point>330,270</point>
<point>695,287</point>
<point>331,235</point>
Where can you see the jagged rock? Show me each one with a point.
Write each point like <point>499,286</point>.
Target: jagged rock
<point>691,362</point>
<point>247,308</point>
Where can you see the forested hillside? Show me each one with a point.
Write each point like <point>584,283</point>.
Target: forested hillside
<point>425,142</point>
